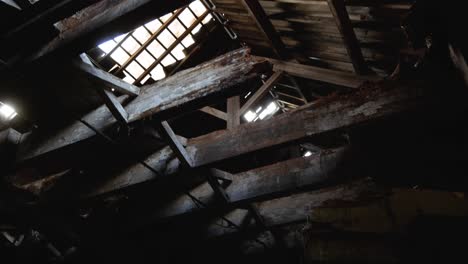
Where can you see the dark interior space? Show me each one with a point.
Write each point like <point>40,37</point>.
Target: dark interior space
<point>233,131</point>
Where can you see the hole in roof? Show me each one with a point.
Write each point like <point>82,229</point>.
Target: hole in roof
<point>144,53</point>
<point>7,112</point>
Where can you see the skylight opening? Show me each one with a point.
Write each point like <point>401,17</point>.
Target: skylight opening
<point>146,51</point>
<point>260,113</point>
<point>7,112</point>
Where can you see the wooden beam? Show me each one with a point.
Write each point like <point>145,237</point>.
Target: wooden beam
<point>306,121</point>
<point>185,90</point>
<point>338,9</point>
<point>107,79</point>
<point>263,183</point>
<point>257,13</point>
<point>260,93</point>
<point>214,112</point>
<point>297,207</point>
<point>216,186</point>
<point>109,98</point>
<point>233,115</point>
<point>114,105</point>
<point>320,74</point>
<point>175,144</point>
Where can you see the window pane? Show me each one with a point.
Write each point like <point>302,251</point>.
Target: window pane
<point>178,52</point>
<point>166,38</point>
<point>134,69</point>
<point>196,29</point>
<point>130,45</point>
<point>107,46</point>
<point>166,17</point>
<point>188,41</point>
<point>158,73</point>
<point>168,60</point>
<point>197,7</point>
<point>141,34</point>
<point>128,78</point>
<point>156,49</point>
<point>120,56</point>
<point>154,25</point>
<point>187,17</point>
<point>143,81</point>
<point>207,19</point>
<point>145,59</point>
<point>176,28</point>
<point>119,38</point>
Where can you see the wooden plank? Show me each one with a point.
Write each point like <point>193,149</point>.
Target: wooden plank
<point>233,115</point>
<point>320,74</point>
<point>186,90</point>
<point>258,95</point>
<point>257,13</point>
<point>338,9</point>
<point>263,183</point>
<point>308,120</point>
<point>107,79</point>
<point>297,207</point>
<point>175,144</point>
<point>214,112</point>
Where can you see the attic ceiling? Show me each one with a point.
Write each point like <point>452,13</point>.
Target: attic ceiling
<point>298,131</point>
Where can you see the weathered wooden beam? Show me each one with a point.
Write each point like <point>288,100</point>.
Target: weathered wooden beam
<point>298,207</point>
<point>109,98</point>
<point>320,74</point>
<point>257,13</point>
<point>309,120</point>
<point>233,114</point>
<point>258,95</point>
<point>114,105</point>
<point>186,90</point>
<point>338,9</point>
<point>216,186</point>
<point>214,112</point>
<point>265,182</point>
<point>175,144</point>
<point>108,80</point>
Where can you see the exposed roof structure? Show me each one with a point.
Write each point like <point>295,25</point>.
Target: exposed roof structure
<point>281,131</point>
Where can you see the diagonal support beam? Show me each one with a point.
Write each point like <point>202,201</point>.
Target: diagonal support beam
<point>260,93</point>
<point>107,79</point>
<point>175,144</point>
<point>111,101</point>
<point>320,74</point>
<point>257,13</point>
<point>338,9</point>
<point>214,112</point>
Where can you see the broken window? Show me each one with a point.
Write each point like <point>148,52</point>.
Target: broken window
<point>148,50</point>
